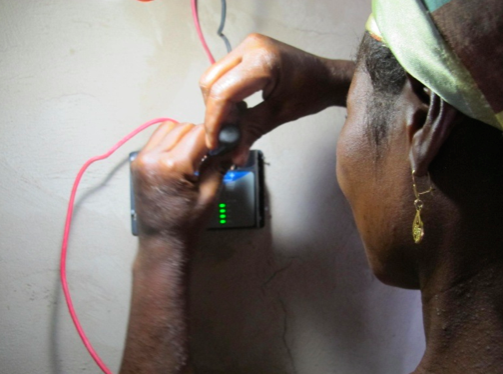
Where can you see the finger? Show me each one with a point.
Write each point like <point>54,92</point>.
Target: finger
<point>253,124</point>
<point>159,134</point>
<point>241,155</point>
<point>232,88</point>
<point>210,178</point>
<point>188,153</point>
<point>235,113</point>
<point>207,81</point>
<point>229,62</point>
<point>210,81</point>
<point>173,137</point>
<point>216,71</point>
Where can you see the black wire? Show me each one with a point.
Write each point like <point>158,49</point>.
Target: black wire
<point>220,31</point>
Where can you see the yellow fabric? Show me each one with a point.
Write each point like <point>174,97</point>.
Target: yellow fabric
<point>499,116</point>
<point>406,27</point>
<point>373,29</point>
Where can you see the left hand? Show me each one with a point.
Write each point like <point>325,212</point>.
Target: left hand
<point>172,202</point>
<point>294,84</point>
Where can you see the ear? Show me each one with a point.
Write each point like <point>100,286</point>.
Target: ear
<point>429,126</point>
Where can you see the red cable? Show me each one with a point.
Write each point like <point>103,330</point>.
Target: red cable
<point>66,235</point>
<point>193,4</point>
<point>69,213</point>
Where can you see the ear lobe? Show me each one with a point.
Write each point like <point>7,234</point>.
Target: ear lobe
<point>429,136</point>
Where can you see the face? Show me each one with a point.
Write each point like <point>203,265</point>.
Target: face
<point>376,180</point>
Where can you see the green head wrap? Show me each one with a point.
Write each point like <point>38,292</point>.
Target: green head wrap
<point>453,47</point>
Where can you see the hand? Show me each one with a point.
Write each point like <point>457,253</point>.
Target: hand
<point>294,83</point>
<point>171,201</point>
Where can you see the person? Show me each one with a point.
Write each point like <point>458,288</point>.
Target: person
<point>420,159</point>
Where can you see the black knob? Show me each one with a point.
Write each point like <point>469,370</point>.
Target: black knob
<point>228,139</point>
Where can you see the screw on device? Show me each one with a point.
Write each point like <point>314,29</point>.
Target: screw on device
<point>228,139</point>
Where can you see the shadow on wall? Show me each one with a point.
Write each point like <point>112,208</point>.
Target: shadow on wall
<point>312,307</point>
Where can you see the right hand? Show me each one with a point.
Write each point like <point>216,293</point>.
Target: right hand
<point>294,84</point>
<point>174,189</point>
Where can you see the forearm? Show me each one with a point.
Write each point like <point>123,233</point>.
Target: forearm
<point>316,84</point>
<point>339,73</point>
<point>157,338</point>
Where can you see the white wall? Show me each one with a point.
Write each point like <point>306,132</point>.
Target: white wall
<point>294,297</point>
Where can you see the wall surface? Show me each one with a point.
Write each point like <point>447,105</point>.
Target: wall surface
<point>294,297</point>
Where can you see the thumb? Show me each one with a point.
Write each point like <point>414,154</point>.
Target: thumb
<point>254,123</point>
<point>252,129</point>
<point>211,175</point>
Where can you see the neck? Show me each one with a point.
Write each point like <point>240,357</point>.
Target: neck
<point>461,269</point>
<point>464,324</point>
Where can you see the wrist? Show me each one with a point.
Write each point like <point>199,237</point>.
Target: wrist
<point>158,252</point>
<point>339,73</point>
<point>157,338</point>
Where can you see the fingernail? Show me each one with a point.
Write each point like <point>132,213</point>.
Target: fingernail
<point>208,142</point>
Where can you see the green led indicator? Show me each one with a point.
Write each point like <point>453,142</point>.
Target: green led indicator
<point>223,216</point>
<point>223,221</point>
<point>222,205</point>
<point>222,210</point>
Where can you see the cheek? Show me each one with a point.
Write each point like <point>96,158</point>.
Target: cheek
<point>355,174</point>
<point>373,188</point>
<point>356,163</point>
<point>353,158</point>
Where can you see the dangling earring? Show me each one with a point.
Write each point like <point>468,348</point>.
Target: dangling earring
<point>417,225</point>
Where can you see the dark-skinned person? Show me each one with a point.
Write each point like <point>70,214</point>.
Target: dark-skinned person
<point>420,160</point>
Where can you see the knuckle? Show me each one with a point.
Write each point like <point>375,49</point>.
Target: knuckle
<point>256,38</point>
<point>204,82</point>
<point>209,129</point>
<point>171,165</point>
<point>168,124</point>
<point>265,57</point>
<point>189,125</point>
<point>269,55</point>
<point>267,60</point>
<point>153,169</point>
<point>153,164</point>
<point>219,93</point>
<point>179,125</point>
<point>183,129</point>
<point>261,42</point>
<point>185,124</point>
<point>144,161</point>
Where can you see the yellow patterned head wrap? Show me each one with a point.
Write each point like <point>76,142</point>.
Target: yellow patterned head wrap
<point>453,47</point>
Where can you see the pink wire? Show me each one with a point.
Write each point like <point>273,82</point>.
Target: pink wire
<point>69,213</point>
<point>193,4</point>
<point>66,236</point>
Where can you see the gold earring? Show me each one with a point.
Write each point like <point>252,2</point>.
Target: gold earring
<point>417,225</point>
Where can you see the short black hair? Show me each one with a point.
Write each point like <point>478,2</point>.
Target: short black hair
<point>388,78</point>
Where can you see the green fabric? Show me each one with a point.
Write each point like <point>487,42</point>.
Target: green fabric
<point>433,5</point>
<point>408,29</point>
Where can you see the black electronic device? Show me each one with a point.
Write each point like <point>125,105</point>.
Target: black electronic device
<point>241,201</point>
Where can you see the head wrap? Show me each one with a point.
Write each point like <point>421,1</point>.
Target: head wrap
<point>453,47</point>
